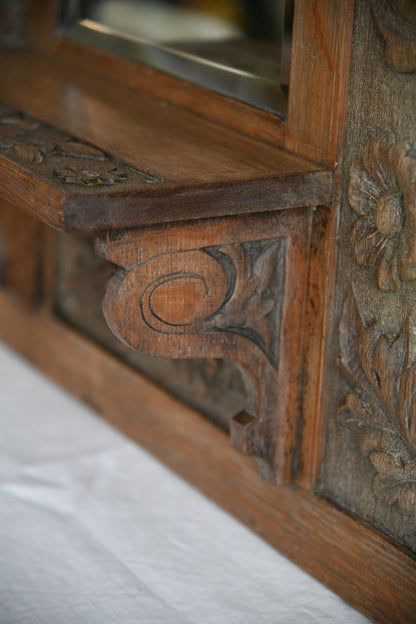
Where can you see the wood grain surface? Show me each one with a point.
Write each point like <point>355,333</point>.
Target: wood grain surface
<point>321,53</point>
<point>199,179</point>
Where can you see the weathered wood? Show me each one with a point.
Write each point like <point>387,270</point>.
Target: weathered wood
<point>373,575</point>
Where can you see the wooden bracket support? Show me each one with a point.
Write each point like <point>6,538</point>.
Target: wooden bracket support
<point>223,288</point>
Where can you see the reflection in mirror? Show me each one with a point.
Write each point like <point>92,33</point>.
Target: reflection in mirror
<point>230,46</point>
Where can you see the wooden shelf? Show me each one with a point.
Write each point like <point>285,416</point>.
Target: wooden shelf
<point>106,162</point>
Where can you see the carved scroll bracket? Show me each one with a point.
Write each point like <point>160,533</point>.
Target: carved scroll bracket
<point>222,289</point>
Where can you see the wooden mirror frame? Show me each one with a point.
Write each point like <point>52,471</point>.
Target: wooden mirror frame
<point>250,194</point>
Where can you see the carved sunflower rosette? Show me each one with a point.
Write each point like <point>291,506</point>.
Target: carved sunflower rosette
<point>382,193</point>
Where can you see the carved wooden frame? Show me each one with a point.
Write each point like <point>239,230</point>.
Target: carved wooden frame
<point>166,231</point>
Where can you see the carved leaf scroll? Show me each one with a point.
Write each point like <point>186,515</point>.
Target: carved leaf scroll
<point>231,288</point>
<point>251,310</point>
<point>381,409</point>
<point>223,301</point>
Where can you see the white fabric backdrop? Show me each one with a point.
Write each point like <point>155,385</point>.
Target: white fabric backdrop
<point>93,530</point>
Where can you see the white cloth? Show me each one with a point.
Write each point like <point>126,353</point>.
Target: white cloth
<point>93,530</point>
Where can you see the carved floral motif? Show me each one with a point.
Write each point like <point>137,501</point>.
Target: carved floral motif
<point>382,192</point>
<point>381,409</point>
<point>396,21</point>
<point>90,176</point>
<point>60,156</point>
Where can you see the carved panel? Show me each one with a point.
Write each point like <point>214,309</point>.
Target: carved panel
<point>379,366</point>
<point>370,459</point>
<point>382,192</point>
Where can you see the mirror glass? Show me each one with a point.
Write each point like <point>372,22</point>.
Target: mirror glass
<point>240,48</point>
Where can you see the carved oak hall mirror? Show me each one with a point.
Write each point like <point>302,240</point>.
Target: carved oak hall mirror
<point>261,225</point>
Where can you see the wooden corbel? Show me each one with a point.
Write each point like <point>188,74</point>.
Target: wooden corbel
<point>223,288</point>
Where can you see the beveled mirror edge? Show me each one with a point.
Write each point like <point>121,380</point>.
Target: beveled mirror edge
<point>254,90</point>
